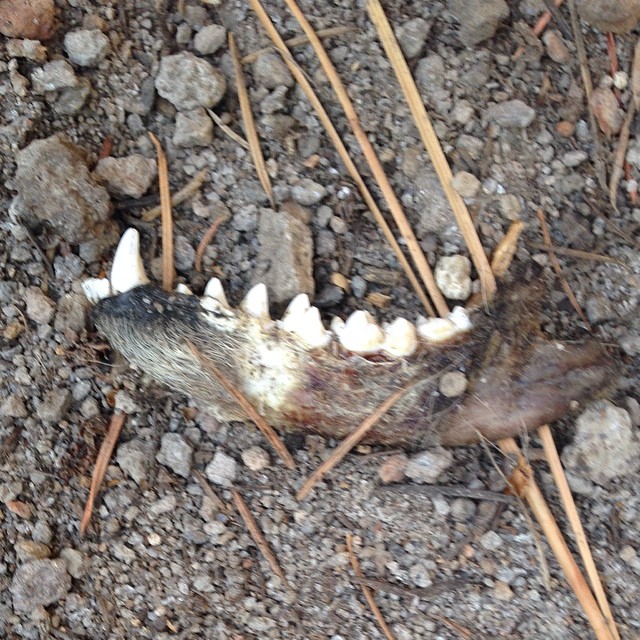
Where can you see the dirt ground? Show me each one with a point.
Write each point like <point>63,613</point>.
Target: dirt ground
<point>161,560</point>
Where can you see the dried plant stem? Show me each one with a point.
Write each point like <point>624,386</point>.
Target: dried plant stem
<point>374,162</point>
<point>228,130</point>
<point>297,41</point>
<point>259,421</point>
<point>348,443</point>
<point>367,592</point>
<point>433,147</point>
<point>102,461</point>
<point>506,249</point>
<point>181,196</point>
<point>523,484</point>
<point>168,271</point>
<point>257,536</point>
<point>304,83</point>
<point>578,531</point>
<point>576,253</point>
<point>207,238</point>
<point>249,123</point>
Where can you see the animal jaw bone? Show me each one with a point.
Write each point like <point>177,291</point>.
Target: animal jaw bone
<point>297,376</point>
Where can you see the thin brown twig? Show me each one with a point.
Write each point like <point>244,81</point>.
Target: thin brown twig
<point>523,484</point>
<point>506,249</point>
<point>368,593</point>
<point>181,196</point>
<point>102,461</point>
<point>297,41</point>
<point>433,147</point>
<point>333,134</point>
<point>539,27</point>
<point>576,253</point>
<point>235,393</point>
<point>571,511</point>
<point>207,238</point>
<point>258,536</point>
<point>168,272</point>
<point>228,130</point>
<point>208,491</point>
<point>249,123</point>
<point>348,443</point>
<point>370,155</point>
<point>555,263</point>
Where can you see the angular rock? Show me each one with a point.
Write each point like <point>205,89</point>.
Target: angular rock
<point>222,469</point>
<point>308,192</point>
<point>412,36</point>
<point>512,113</point>
<point>86,47</point>
<point>193,129</point>
<point>29,49</point>
<point>189,82</point>
<point>610,15</point>
<point>605,446</point>
<point>479,19</point>
<point>255,458</point>
<point>53,76</point>
<point>40,308</point>
<point>428,466</point>
<point>270,71</point>
<point>209,39</point>
<point>175,453</point>
<point>128,176</point>
<point>27,550</point>
<point>466,184</point>
<point>56,190</point>
<point>285,257</point>
<point>27,18</point>
<point>54,405</point>
<point>39,582</point>
<point>607,110</point>
<point>71,313</point>
<point>72,99</point>
<point>133,458</point>
<point>13,407</point>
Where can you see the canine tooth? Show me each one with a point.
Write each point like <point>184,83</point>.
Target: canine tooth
<point>361,334</point>
<point>311,330</point>
<point>182,288</point>
<point>256,302</point>
<point>96,289</point>
<point>127,271</point>
<point>437,329</point>
<point>296,309</point>
<point>400,338</point>
<point>215,290</point>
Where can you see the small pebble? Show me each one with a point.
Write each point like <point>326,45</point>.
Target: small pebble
<point>512,113</point>
<point>133,458</point>
<point>491,541</point>
<point>39,582</point>
<point>429,465</point>
<point>76,563</point>
<point>412,36</point>
<point>209,39</point>
<point>127,176</point>
<point>607,111</point>
<point>175,453</point>
<point>13,407</point>
<point>193,128</point>
<point>40,309</point>
<point>86,47</point>
<point>510,206</point>
<point>53,76</point>
<point>565,128</point>
<point>574,158</point>
<point>393,468</point>
<point>54,405</point>
<point>222,469</point>
<point>453,276</point>
<point>502,591</point>
<point>556,48</point>
<point>255,458</point>
<point>27,550</point>
<point>479,19</point>
<point>466,184</point>
<point>270,71</point>
<point>453,384</point>
<point>307,192</point>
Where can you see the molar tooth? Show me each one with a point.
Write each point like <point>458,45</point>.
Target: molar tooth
<point>215,291</point>
<point>182,288</point>
<point>437,329</point>
<point>400,338</point>
<point>96,289</point>
<point>256,302</point>
<point>361,334</point>
<point>296,310</point>
<point>127,271</point>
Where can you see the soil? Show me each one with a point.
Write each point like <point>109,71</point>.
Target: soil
<point>161,560</point>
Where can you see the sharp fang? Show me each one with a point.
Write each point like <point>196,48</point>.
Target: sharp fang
<point>400,338</point>
<point>256,302</point>
<point>215,291</point>
<point>182,288</point>
<point>361,334</point>
<point>127,271</point>
<point>96,289</point>
<point>296,310</point>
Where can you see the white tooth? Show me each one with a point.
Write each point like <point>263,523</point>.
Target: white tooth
<point>460,318</point>
<point>256,302</point>
<point>211,304</point>
<point>96,289</point>
<point>400,338</point>
<point>361,334</point>
<point>296,310</point>
<point>214,290</point>
<point>437,329</point>
<point>182,288</point>
<point>312,331</point>
<point>127,271</point>
<point>337,325</point>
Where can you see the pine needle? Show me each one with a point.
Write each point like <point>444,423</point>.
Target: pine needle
<point>102,462</point>
<point>206,239</point>
<point>433,147</point>
<point>305,85</point>
<point>506,249</point>
<point>235,393</point>
<point>348,443</point>
<point>168,272</point>
<point>249,123</point>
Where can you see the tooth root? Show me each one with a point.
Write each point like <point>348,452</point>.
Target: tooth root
<point>256,302</point>
<point>361,334</point>
<point>127,271</point>
<point>400,338</point>
<point>96,289</point>
<point>183,289</point>
<point>215,291</point>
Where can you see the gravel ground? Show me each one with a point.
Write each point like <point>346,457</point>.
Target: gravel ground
<point>161,559</point>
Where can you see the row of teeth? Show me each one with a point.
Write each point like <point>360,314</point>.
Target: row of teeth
<point>359,333</point>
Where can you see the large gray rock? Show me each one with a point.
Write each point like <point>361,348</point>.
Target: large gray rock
<point>39,582</point>
<point>610,15</point>
<point>56,190</point>
<point>479,19</point>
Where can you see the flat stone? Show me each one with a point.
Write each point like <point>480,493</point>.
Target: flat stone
<point>255,458</point>
<point>209,39</point>
<point>512,113</point>
<point>189,82</point>
<point>130,176</point>
<point>466,184</point>
<point>618,16</point>
<point>175,453</point>
<point>307,192</point>
<point>285,257</point>
<point>27,550</point>
<point>54,405</point>
<point>40,308</point>
<point>429,465</point>
<point>71,99</point>
<point>412,36</point>
<point>222,469</point>
<point>39,582</point>
<point>133,458</point>
<point>86,47</point>
<point>13,407</point>
<point>270,71</point>
<point>53,76</point>
<point>193,128</point>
